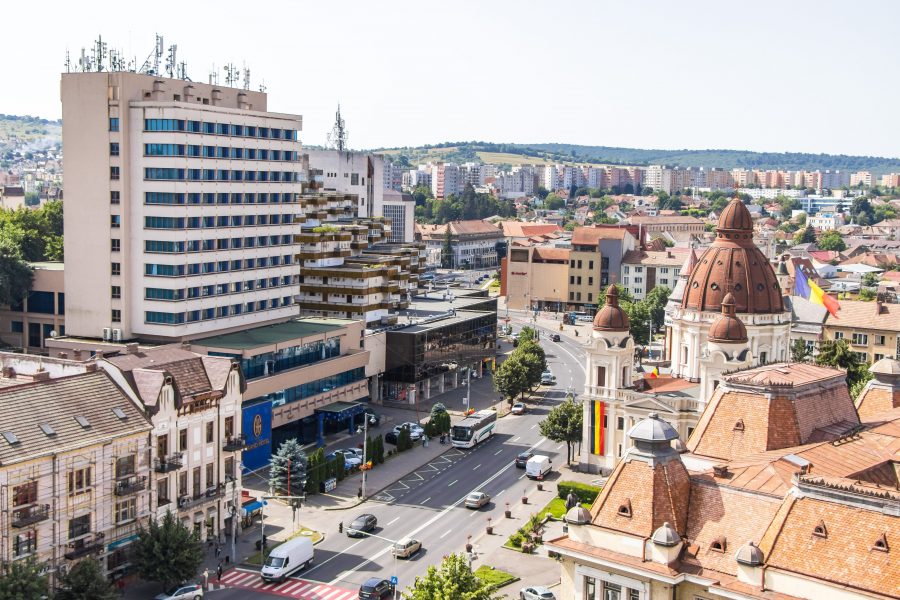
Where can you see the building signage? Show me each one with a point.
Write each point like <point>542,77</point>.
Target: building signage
<point>256,421</point>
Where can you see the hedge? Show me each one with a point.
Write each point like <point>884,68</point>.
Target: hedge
<point>584,492</point>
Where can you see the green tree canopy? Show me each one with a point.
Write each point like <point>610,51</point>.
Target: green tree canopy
<point>511,378</point>
<point>564,423</point>
<point>167,551</point>
<point>837,353</point>
<point>799,351</point>
<point>554,202</point>
<point>16,275</point>
<point>289,458</point>
<point>85,581</point>
<point>832,240</point>
<point>806,235</point>
<point>22,580</point>
<point>447,250</point>
<point>453,579</point>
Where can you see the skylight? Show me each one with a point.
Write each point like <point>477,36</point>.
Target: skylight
<point>10,437</point>
<point>119,413</point>
<point>83,421</point>
<point>47,428</point>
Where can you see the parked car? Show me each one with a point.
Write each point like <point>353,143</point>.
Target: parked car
<point>350,460</point>
<point>536,592</point>
<point>406,547</point>
<point>391,437</point>
<point>547,378</point>
<point>357,452</point>
<point>522,458</point>
<point>477,499</point>
<point>375,588</point>
<point>413,426</point>
<point>555,338</point>
<point>365,523</point>
<point>185,591</point>
<point>287,558</point>
<point>414,434</point>
<point>519,408</point>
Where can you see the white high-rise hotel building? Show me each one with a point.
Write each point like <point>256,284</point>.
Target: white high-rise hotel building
<point>181,200</point>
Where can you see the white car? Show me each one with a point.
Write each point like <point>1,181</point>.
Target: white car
<point>519,408</point>
<point>547,378</point>
<point>536,592</point>
<point>185,591</point>
<point>348,452</point>
<point>414,434</point>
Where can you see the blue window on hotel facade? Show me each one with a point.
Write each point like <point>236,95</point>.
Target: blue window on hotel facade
<point>313,388</point>
<point>286,358</point>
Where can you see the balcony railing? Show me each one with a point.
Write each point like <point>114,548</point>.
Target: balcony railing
<point>234,443</point>
<point>23,517</point>
<point>211,493</point>
<point>168,463</point>
<point>84,547</point>
<point>677,404</point>
<point>132,485</point>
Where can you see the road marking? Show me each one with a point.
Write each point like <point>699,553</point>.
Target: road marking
<point>394,521</point>
<point>497,495</point>
<point>517,439</point>
<point>498,452</point>
<point>560,447</point>
<point>452,482</point>
<point>476,466</point>
<point>425,501</point>
<point>523,475</point>
<point>421,527</point>
<point>533,426</point>
<point>446,533</point>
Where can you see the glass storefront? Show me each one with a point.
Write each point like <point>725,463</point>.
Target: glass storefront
<point>286,358</point>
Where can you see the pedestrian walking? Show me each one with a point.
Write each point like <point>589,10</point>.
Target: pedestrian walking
<point>219,571</point>
<point>205,579</point>
<point>218,550</point>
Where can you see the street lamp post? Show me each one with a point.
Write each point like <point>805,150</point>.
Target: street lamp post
<point>365,431</point>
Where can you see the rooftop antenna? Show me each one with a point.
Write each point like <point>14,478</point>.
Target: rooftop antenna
<point>171,61</point>
<point>337,138</point>
<point>84,62</point>
<point>262,86</point>
<point>98,53</point>
<point>231,74</point>
<point>68,62</point>
<point>182,71</point>
<point>157,54</point>
<point>246,78</point>
<point>214,76</point>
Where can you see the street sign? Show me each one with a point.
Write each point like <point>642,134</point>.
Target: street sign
<point>394,580</point>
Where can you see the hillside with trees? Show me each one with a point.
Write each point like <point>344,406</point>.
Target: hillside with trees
<point>726,159</point>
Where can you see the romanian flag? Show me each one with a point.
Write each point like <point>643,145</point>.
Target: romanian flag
<point>654,373</point>
<point>808,289</point>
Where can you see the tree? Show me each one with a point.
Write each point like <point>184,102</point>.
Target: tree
<point>167,551</point>
<point>837,353</point>
<point>22,580</point>
<point>832,240</point>
<point>289,458</point>
<point>532,361</point>
<point>554,202</point>
<point>867,295</point>
<point>800,352</point>
<point>564,423</point>
<point>453,579</point>
<point>805,236</point>
<point>85,581</point>
<point>527,334</point>
<point>32,198</point>
<point>871,280</point>
<point>447,250</point>
<point>656,301</point>
<point>511,378</point>
<point>16,275</point>
<point>378,450</point>
<point>404,440</point>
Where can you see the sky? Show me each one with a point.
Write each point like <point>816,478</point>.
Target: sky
<point>804,76</point>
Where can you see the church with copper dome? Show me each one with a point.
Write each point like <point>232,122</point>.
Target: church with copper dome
<point>726,314</point>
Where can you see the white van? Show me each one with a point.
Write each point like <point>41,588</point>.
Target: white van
<point>538,466</point>
<point>287,558</point>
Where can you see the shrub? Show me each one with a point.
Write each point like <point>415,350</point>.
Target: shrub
<point>516,539</point>
<point>584,492</point>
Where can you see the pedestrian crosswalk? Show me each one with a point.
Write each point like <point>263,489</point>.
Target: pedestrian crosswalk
<point>290,588</point>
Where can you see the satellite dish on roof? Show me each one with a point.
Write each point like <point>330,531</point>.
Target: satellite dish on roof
<point>53,333</point>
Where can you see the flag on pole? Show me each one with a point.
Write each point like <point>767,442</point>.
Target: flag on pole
<point>654,373</point>
<point>808,289</point>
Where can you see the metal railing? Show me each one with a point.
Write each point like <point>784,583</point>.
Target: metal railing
<point>132,485</point>
<point>84,547</point>
<point>234,443</point>
<point>23,517</point>
<point>168,463</point>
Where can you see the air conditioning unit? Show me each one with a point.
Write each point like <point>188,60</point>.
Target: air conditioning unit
<point>107,333</point>
<point>117,335</point>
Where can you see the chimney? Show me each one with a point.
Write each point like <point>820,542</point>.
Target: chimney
<point>131,348</point>
<point>879,307</point>
<point>8,373</point>
<point>40,375</point>
<point>90,367</point>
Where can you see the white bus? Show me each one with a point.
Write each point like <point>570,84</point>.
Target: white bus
<point>475,428</point>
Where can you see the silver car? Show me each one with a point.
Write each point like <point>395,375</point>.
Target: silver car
<point>477,499</point>
<point>536,592</point>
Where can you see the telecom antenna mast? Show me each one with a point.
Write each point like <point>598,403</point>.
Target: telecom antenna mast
<point>337,138</point>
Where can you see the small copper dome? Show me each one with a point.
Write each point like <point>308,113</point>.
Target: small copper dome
<point>727,327</point>
<point>735,260</point>
<point>611,317</point>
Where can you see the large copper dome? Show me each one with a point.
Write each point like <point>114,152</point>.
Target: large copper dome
<point>728,328</point>
<point>611,317</point>
<point>733,261</point>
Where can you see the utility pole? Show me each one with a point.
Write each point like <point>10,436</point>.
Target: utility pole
<point>364,467</point>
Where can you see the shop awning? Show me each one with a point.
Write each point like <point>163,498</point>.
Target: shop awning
<point>339,411</point>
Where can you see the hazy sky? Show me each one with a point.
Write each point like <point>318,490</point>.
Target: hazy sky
<point>810,76</point>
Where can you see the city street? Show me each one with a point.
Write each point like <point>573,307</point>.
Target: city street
<point>427,503</point>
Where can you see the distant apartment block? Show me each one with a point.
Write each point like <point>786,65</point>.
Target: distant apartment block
<point>445,180</point>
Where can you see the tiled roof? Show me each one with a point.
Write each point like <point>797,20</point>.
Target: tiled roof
<point>57,402</point>
<point>866,315</point>
<point>784,374</point>
<point>591,236</point>
<point>673,257</point>
<point>552,253</point>
<point>666,220</point>
<point>522,229</point>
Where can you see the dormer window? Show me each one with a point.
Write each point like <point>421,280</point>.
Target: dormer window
<point>625,509</point>
<point>881,544</point>
<point>820,530</point>
<point>739,425</point>
<point>718,545</point>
